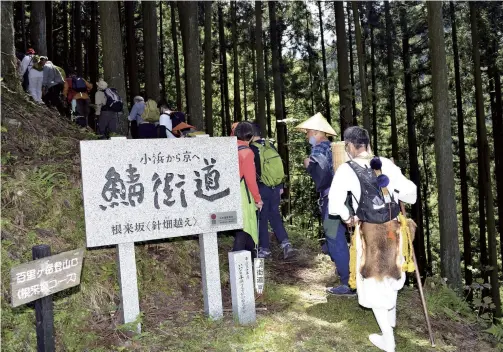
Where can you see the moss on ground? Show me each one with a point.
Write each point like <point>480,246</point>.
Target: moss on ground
<point>42,203</point>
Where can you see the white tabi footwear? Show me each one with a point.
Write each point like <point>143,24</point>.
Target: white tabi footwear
<point>385,344</point>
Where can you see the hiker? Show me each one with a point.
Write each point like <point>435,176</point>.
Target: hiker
<point>76,93</point>
<point>147,128</point>
<point>52,86</point>
<point>25,67</point>
<point>250,196</point>
<point>36,78</point>
<point>135,115</point>
<point>320,168</point>
<point>270,175</point>
<point>108,105</point>
<point>376,186</point>
<point>165,122</point>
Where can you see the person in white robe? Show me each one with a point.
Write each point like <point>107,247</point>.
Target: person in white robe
<point>379,295</point>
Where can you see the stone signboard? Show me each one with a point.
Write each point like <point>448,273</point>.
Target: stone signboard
<point>46,276</point>
<point>147,189</point>
<point>243,295</point>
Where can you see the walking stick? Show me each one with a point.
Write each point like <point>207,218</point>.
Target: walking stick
<point>419,285</point>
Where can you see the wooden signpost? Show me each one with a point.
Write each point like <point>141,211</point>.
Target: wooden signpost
<point>38,280</point>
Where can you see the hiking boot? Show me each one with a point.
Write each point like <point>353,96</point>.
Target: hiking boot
<point>341,290</point>
<point>264,253</point>
<point>288,251</point>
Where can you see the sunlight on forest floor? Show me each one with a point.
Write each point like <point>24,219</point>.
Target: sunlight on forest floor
<point>41,203</point>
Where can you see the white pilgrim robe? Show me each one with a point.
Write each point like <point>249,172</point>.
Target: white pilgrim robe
<point>371,293</point>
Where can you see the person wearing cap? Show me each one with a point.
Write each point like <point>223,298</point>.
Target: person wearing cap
<point>376,186</point>
<point>320,167</point>
<point>53,86</point>
<point>25,67</point>
<point>271,196</point>
<point>247,239</point>
<point>107,119</point>
<point>36,78</point>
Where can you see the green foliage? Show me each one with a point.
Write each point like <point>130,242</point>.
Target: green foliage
<point>496,330</point>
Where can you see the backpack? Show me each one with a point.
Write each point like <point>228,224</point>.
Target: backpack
<point>176,118</point>
<point>151,112</point>
<point>79,85</point>
<point>372,207</point>
<point>271,165</point>
<point>114,101</point>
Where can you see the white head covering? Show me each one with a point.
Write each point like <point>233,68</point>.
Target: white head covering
<point>102,85</point>
<point>317,123</point>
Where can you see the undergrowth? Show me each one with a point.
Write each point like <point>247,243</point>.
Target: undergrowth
<point>42,204</point>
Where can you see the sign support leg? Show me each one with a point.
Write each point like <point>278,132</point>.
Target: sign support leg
<point>128,283</point>
<point>210,272</point>
<point>44,310</point>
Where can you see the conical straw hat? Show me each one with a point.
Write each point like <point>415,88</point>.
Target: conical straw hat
<point>318,123</point>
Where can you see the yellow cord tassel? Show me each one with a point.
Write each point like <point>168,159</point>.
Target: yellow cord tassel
<point>352,260</point>
<point>407,249</point>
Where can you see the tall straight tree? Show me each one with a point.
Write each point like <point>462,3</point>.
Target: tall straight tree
<point>373,77</point>
<point>261,119</point>
<point>497,118</point>
<point>324,60</point>
<point>113,64</point>
<point>278,100</point>
<point>48,28</point>
<point>23,25</point>
<point>162,72</point>
<point>237,93</point>
<point>361,67</point>
<point>310,61</point>
<point>134,83</point>
<point>483,144</point>
<point>93,49</point>
<point>208,81</point>
<point>465,210</point>
<point>77,32</point>
<point>412,142</point>
<point>223,58</point>
<point>267,91</point>
<point>447,214</point>
<point>66,39</point>
<point>190,31</point>
<point>391,80</point>
<point>343,67</point>
<point>9,72</point>
<point>151,50</point>
<point>174,36</point>
<point>38,31</point>
<point>351,65</point>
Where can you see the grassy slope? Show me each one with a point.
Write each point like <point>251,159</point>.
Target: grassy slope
<point>41,203</point>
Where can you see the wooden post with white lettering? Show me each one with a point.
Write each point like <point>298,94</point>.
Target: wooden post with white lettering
<point>43,310</point>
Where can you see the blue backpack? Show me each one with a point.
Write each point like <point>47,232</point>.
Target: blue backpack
<point>114,101</point>
<point>177,117</point>
<point>79,85</point>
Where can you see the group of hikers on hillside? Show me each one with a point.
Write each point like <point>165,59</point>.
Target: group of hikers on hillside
<point>71,95</point>
<point>360,196</point>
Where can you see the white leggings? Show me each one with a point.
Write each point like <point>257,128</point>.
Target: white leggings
<point>35,88</point>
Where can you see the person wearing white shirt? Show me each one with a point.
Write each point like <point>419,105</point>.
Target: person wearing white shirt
<point>165,123</point>
<point>25,67</point>
<point>375,202</point>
